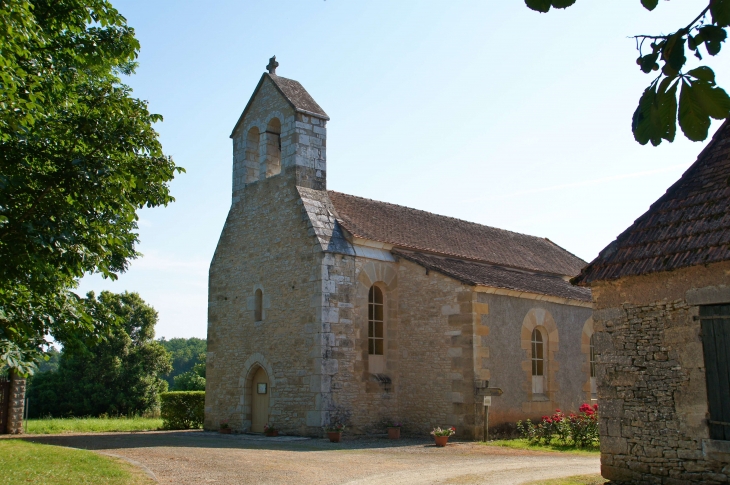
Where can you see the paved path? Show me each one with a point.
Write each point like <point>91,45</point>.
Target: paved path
<point>199,457</point>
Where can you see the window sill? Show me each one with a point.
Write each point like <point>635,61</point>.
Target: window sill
<point>540,398</point>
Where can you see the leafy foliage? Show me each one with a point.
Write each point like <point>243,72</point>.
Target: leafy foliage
<point>187,355</point>
<point>700,99</point>
<point>78,157</point>
<point>118,375</point>
<point>189,381</point>
<point>183,410</point>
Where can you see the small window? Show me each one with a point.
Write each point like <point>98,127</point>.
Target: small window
<point>592,362</point>
<point>538,362</point>
<point>715,321</point>
<point>375,321</point>
<point>258,313</point>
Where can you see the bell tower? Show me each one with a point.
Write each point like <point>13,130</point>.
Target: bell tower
<point>281,132</point>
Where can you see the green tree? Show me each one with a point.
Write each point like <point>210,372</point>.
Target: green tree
<point>700,98</point>
<point>119,375</point>
<point>78,158</point>
<point>192,380</point>
<point>185,354</point>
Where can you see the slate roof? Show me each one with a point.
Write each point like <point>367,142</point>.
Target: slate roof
<point>418,230</point>
<point>298,96</point>
<point>473,273</point>
<point>293,91</point>
<point>687,226</point>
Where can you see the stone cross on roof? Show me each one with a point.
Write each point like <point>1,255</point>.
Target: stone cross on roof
<point>272,66</point>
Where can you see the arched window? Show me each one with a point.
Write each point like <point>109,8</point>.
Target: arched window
<point>592,362</point>
<point>252,155</point>
<point>375,321</point>
<point>272,156</point>
<point>538,362</point>
<point>258,312</point>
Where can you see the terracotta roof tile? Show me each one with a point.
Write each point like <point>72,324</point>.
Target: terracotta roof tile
<point>687,226</point>
<point>473,273</point>
<point>418,230</point>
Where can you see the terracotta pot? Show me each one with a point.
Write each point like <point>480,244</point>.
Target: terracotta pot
<point>394,433</point>
<point>441,440</point>
<point>334,436</point>
<point>225,430</point>
<point>272,433</point>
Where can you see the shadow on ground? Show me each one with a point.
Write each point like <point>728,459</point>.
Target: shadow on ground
<point>207,439</point>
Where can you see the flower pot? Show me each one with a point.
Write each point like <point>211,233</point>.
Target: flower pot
<point>272,433</point>
<point>334,436</point>
<point>225,430</point>
<point>441,440</point>
<point>394,433</point>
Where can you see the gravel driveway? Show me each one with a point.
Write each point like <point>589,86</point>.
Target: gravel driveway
<point>199,457</point>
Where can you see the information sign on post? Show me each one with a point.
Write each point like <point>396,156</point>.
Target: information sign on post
<point>487,393</point>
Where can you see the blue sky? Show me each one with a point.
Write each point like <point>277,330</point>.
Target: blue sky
<point>480,110</point>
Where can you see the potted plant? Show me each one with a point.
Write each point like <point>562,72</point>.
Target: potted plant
<point>441,436</point>
<point>224,428</point>
<point>394,430</point>
<point>334,431</point>
<point>270,430</point>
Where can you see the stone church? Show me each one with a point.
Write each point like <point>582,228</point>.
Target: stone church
<point>325,306</point>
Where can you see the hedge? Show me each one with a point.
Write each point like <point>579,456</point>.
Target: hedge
<point>182,409</point>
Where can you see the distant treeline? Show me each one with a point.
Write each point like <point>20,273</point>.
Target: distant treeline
<point>121,372</point>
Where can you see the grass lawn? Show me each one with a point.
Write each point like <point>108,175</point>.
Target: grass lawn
<point>577,480</point>
<point>91,425</point>
<point>522,444</point>
<point>23,463</point>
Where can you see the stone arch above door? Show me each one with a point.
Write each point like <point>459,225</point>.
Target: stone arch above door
<point>251,366</point>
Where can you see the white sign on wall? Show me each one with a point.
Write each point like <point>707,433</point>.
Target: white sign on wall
<point>487,400</point>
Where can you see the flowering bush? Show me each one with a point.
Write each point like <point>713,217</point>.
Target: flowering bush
<point>394,424</point>
<point>580,430</point>
<point>269,428</point>
<point>443,432</point>
<point>334,428</point>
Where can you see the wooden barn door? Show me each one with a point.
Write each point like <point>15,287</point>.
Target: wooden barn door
<point>716,342</point>
<point>259,401</point>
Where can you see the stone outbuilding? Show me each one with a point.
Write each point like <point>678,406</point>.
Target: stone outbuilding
<point>661,294</point>
<point>325,306</point>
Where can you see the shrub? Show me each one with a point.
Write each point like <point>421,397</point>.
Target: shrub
<point>580,430</point>
<point>182,410</point>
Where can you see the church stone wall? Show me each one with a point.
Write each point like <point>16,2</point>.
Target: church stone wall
<point>651,377</point>
<point>504,352</point>
<point>427,378</point>
<point>264,245</point>
<point>436,386</point>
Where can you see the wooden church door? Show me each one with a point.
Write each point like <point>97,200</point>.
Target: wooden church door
<point>259,401</point>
